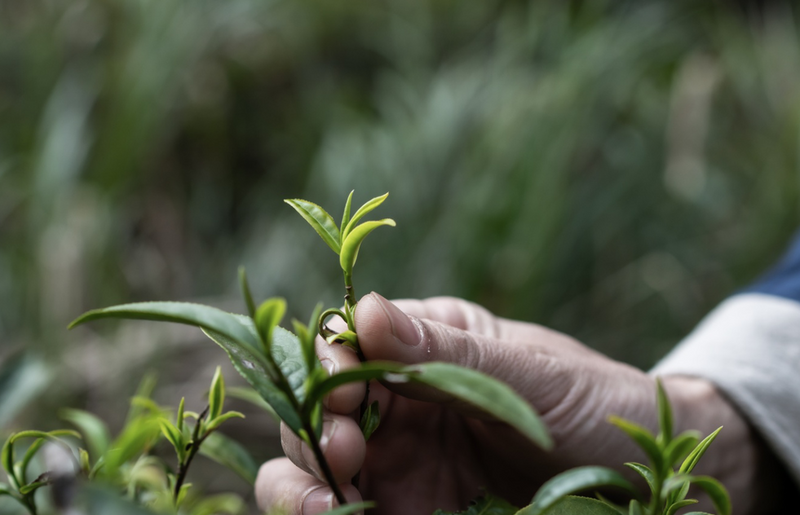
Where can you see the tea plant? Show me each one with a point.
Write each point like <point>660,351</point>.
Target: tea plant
<point>283,368</point>
<point>669,486</point>
<point>126,464</point>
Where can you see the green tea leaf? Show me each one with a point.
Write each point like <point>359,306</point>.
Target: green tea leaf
<point>361,213</point>
<point>643,438</point>
<point>257,372</point>
<point>349,509</point>
<point>716,491</point>
<point>309,350</point>
<point>482,391</point>
<point>94,430</point>
<point>179,416</point>
<point>664,415</point>
<point>691,461</point>
<point>244,285</point>
<point>268,315</point>
<point>615,507</point>
<point>137,436</point>
<point>231,454</point>
<point>175,437</point>
<point>30,452</point>
<point>574,481</point>
<point>365,372</point>
<point>346,214</point>
<point>351,244</point>
<point>646,473</point>
<point>370,420</point>
<point>205,317</point>
<point>41,481</point>
<point>572,505</point>
<point>486,505</point>
<point>674,507</point>
<point>7,459</point>
<point>252,396</point>
<point>216,395</point>
<point>680,447</point>
<point>288,354</point>
<point>215,423</point>
<point>320,220</point>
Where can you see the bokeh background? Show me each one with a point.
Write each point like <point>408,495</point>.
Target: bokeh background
<point>612,169</point>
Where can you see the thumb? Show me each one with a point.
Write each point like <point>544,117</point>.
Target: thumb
<point>387,333</point>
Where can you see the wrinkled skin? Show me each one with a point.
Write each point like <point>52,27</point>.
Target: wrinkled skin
<point>431,452</point>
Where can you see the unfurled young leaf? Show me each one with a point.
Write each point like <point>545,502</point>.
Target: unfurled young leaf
<point>370,420</point>
<point>180,415</point>
<point>216,422</point>
<point>175,437</point>
<point>664,415</point>
<point>361,213</point>
<point>216,395</point>
<point>680,447</point>
<point>691,461</point>
<point>346,215</point>
<point>486,505</point>
<point>244,285</point>
<point>575,481</point>
<point>646,473</point>
<point>643,438</point>
<point>352,243</point>
<point>320,220</point>
<point>95,432</point>
<point>268,315</point>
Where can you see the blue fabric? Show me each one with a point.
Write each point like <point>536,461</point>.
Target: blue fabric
<point>783,280</point>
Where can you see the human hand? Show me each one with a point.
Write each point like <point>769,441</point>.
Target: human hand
<point>433,453</point>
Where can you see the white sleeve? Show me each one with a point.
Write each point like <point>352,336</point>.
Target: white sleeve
<point>749,346</point>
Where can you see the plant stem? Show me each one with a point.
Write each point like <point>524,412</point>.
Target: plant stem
<point>184,466</point>
<point>323,463</point>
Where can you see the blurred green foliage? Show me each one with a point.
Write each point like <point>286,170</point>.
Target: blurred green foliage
<point>611,169</point>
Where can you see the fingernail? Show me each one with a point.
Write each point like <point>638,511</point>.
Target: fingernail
<point>328,429</point>
<point>318,501</point>
<point>403,328</point>
<point>328,365</point>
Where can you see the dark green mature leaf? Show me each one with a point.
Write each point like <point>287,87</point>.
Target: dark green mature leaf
<point>482,391</point>
<point>619,509</point>
<point>680,447</point>
<point>231,454</point>
<point>643,438</point>
<point>346,215</point>
<point>216,395</point>
<point>716,491</point>
<point>257,372</point>
<point>95,432</point>
<point>349,509</point>
<point>244,285</point>
<point>361,213</point>
<point>645,472</point>
<point>354,239</point>
<point>573,505</point>
<point>231,326</point>
<point>370,420</point>
<point>320,220</point>
<point>574,481</point>
<point>664,414</point>
<point>288,354</point>
<point>486,505</point>
<point>268,315</point>
<point>691,461</point>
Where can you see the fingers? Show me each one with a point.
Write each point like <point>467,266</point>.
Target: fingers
<point>283,488</point>
<point>342,443</point>
<point>336,358</point>
<point>387,333</point>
